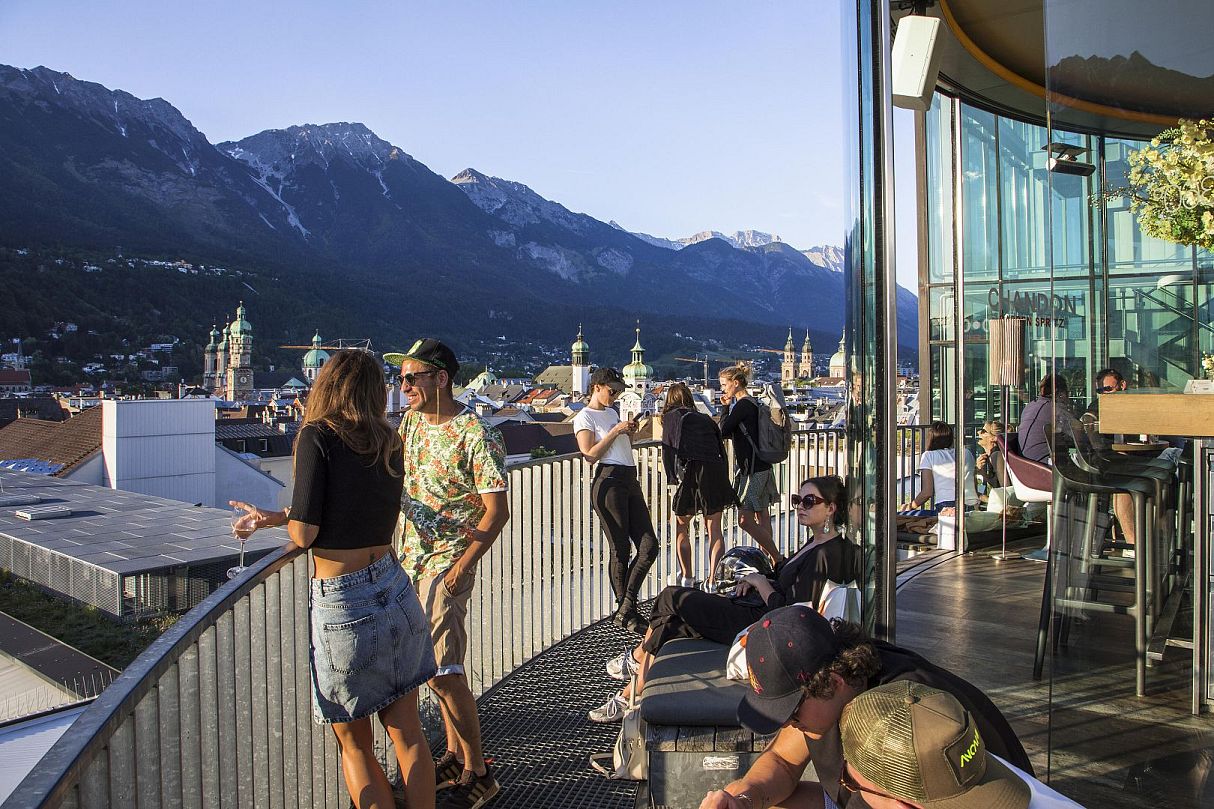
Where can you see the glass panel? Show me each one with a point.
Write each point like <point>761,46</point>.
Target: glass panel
<point>979,194</point>
<point>1152,330</point>
<point>943,383</point>
<point>1129,249</point>
<point>1125,69</point>
<point>941,313</point>
<point>1057,332</point>
<point>1024,196</point>
<point>939,200</point>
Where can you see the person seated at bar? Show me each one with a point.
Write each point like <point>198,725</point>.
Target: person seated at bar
<point>910,746</point>
<point>1108,380</point>
<point>685,612</point>
<point>938,476</point>
<point>1050,412</point>
<point>803,671</point>
<point>990,464</point>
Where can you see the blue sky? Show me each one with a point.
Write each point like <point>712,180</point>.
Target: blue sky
<point>669,117</point>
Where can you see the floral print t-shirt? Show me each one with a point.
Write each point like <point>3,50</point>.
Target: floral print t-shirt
<point>447,469</point>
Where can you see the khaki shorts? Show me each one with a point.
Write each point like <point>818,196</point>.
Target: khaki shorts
<point>447,613</point>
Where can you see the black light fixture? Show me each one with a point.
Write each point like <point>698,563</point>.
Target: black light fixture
<point>1064,159</point>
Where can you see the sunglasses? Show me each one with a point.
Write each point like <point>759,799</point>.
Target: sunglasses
<point>1106,388</point>
<point>809,500</point>
<point>848,782</point>
<point>410,377</point>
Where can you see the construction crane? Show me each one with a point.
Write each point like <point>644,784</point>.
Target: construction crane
<point>337,345</point>
<point>704,360</point>
<point>697,359</point>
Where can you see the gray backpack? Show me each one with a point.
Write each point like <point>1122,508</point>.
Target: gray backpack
<point>774,441</point>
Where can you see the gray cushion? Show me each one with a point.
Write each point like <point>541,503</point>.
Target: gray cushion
<point>687,686</point>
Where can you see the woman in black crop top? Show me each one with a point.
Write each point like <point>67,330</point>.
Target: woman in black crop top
<point>370,640</point>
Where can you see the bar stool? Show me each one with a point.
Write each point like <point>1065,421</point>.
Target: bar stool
<point>1162,477</point>
<point>1068,479</point>
<point>1032,482</point>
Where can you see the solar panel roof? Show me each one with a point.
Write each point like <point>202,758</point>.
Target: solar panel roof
<point>125,532</point>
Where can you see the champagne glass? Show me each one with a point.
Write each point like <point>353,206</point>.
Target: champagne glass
<point>240,521</point>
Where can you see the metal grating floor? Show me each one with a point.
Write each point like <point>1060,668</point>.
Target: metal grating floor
<point>536,732</point>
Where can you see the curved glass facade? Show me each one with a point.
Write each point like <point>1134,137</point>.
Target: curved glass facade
<point>1096,290</point>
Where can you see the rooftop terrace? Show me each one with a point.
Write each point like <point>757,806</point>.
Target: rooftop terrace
<point>217,711</point>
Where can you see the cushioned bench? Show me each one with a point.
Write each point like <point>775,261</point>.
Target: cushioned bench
<point>692,738</point>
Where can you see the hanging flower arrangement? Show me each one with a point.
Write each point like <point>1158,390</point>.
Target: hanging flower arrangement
<point>1171,184</point>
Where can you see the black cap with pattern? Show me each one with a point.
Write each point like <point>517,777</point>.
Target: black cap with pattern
<point>429,351</point>
<point>784,650</point>
<point>918,744</point>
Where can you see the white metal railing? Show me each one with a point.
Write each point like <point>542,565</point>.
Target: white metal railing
<point>546,576</point>
<point>217,711</point>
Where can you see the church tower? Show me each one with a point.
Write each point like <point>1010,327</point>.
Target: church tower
<point>315,359</point>
<point>208,360</point>
<point>220,379</point>
<point>240,357</point>
<point>807,358</point>
<point>838,362</point>
<point>581,364</point>
<point>788,367</point>
<point>637,374</point>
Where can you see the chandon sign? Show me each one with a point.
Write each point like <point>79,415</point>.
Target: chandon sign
<point>1041,308</point>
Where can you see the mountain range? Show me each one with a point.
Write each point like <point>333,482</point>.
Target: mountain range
<point>335,228</point>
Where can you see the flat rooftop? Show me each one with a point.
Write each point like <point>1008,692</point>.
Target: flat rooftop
<point>123,532</point>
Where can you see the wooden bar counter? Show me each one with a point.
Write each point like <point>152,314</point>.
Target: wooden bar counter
<point>1157,413</point>
<point>1190,415</point>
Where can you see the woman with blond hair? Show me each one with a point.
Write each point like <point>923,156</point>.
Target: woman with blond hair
<point>693,455</point>
<point>754,482</point>
<point>370,644</point>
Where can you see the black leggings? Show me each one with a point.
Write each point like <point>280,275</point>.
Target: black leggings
<point>616,497</point>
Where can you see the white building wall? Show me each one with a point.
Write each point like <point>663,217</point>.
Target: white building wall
<point>91,471</point>
<point>237,480</point>
<point>283,470</point>
<point>161,447</point>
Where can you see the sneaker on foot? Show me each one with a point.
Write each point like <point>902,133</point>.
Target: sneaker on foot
<point>629,619</point>
<point>610,711</point>
<point>474,791</point>
<point>622,666</point>
<point>447,771</point>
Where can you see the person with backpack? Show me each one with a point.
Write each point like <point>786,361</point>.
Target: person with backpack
<point>754,482</point>
<point>693,455</point>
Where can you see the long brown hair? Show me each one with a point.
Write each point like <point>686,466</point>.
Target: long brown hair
<point>678,395</point>
<point>350,397</point>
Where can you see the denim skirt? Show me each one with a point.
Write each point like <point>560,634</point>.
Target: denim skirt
<point>370,642</point>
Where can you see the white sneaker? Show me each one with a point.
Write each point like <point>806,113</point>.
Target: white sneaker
<point>622,666</point>
<point>692,583</point>
<point>610,711</point>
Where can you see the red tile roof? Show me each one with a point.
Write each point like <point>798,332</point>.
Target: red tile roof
<point>14,376</point>
<point>64,442</point>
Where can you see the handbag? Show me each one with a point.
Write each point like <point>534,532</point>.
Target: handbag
<point>627,760</point>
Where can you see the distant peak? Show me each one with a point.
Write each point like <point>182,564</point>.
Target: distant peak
<point>316,143</point>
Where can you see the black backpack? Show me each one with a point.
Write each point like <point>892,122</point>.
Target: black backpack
<point>774,441</point>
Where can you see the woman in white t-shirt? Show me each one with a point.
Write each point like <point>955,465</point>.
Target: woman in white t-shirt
<point>938,474</point>
<point>616,495</point>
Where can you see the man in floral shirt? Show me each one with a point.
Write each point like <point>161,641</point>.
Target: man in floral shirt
<point>453,507</point>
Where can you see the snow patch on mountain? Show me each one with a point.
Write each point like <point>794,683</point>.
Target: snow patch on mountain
<point>826,255</point>
<point>617,261</point>
<point>516,203</point>
<point>565,263</point>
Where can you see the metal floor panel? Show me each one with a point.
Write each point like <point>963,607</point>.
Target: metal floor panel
<point>536,732</point>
